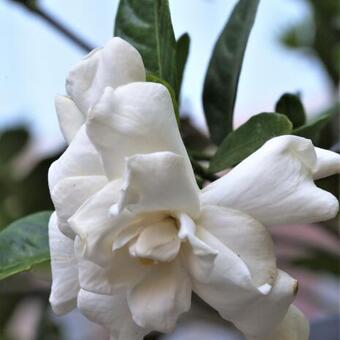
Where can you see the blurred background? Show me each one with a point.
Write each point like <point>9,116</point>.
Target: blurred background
<point>294,47</point>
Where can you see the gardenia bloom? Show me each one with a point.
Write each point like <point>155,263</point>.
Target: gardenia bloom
<point>133,235</point>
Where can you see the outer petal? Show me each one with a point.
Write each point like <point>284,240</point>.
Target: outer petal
<point>158,300</point>
<point>70,193</point>
<point>246,237</point>
<point>328,163</point>
<point>79,159</point>
<point>69,116</point>
<point>275,185</point>
<point>116,64</point>
<point>135,118</point>
<point>256,311</point>
<point>95,226</point>
<point>158,182</point>
<point>65,284</point>
<point>112,312</point>
<point>293,327</point>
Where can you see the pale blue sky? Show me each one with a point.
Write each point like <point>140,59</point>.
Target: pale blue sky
<point>35,59</point>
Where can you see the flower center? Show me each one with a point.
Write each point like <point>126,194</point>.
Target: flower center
<point>156,237</point>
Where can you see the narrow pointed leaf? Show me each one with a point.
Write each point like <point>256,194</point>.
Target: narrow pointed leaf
<point>249,137</point>
<point>221,82</point>
<point>147,26</point>
<point>290,105</point>
<point>24,243</point>
<point>183,45</point>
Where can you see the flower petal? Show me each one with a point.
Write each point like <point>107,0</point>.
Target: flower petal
<point>275,185</point>
<point>158,181</point>
<point>69,116</point>
<point>328,163</point>
<point>132,230</point>
<point>163,294</point>
<point>236,272</point>
<point>112,312</point>
<point>246,237</point>
<point>95,226</point>
<point>198,255</point>
<point>121,274</point>
<point>158,242</point>
<point>134,119</point>
<point>65,285</point>
<point>293,327</point>
<point>70,193</point>
<point>116,64</point>
<point>79,159</point>
<point>256,311</point>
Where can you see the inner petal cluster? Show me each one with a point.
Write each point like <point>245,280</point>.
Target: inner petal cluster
<point>152,238</point>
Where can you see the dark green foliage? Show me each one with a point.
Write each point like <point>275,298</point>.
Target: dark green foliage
<point>290,105</point>
<point>24,243</point>
<point>147,26</point>
<point>249,137</point>
<point>221,82</point>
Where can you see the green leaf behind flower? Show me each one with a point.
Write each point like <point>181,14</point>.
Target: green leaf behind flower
<point>12,142</point>
<point>249,137</point>
<point>221,82</point>
<point>319,260</point>
<point>24,243</point>
<point>291,105</point>
<point>183,46</point>
<point>155,79</point>
<point>147,26</point>
<point>312,129</point>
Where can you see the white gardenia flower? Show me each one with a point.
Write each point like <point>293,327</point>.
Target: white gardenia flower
<point>133,235</point>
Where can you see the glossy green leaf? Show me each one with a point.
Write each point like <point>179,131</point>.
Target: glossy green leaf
<point>12,142</point>
<point>147,26</point>
<point>249,137</point>
<point>183,46</point>
<point>221,82</point>
<point>155,79</point>
<point>312,130</point>
<point>290,105</point>
<point>23,244</point>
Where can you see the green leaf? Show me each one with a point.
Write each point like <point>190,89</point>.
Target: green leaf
<point>312,130</point>
<point>220,86</point>
<point>299,36</point>
<point>183,45</point>
<point>147,26</point>
<point>290,105</point>
<point>12,142</point>
<point>319,260</point>
<point>24,243</point>
<point>249,137</point>
<point>155,79</point>
<point>330,134</point>
<point>194,139</point>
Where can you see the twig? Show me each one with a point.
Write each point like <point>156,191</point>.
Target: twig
<point>31,6</point>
